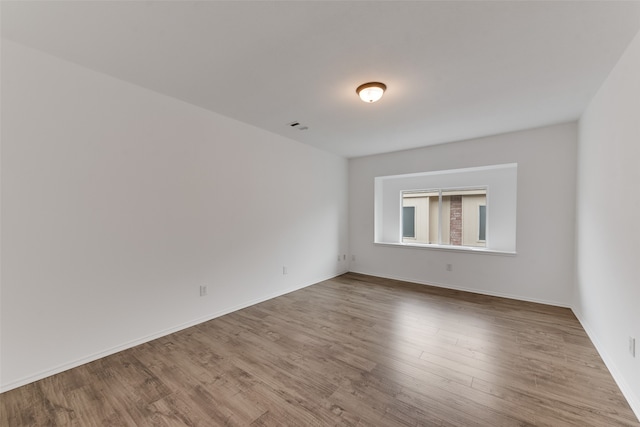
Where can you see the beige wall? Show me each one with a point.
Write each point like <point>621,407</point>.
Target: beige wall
<point>471,220</point>
<point>422,214</point>
<point>433,225</point>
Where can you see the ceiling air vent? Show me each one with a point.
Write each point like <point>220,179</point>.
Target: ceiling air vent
<point>297,125</point>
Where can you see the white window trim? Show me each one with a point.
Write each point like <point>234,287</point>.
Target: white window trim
<point>500,181</point>
<point>449,248</point>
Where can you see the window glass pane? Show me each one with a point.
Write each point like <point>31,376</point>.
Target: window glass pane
<point>408,221</point>
<point>482,233</point>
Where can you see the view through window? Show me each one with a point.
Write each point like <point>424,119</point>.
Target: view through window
<point>456,217</point>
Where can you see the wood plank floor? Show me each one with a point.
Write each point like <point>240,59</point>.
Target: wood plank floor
<point>351,351</point>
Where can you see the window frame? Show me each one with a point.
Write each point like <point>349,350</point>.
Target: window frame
<point>440,191</point>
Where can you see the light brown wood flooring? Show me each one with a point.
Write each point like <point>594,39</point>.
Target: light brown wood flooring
<point>351,351</point>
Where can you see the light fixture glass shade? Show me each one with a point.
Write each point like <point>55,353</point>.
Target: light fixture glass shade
<point>371,92</point>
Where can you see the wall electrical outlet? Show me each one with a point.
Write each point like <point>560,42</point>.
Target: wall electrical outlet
<point>203,291</point>
<point>449,267</point>
<point>284,270</point>
<point>632,346</point>
<point>344,257</point>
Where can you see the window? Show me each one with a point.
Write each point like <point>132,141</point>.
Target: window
<point>409,222</point>
<point>445,217</point>
<point>472,208</point>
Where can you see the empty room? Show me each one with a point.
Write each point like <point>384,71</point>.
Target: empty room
<point>320,213</point>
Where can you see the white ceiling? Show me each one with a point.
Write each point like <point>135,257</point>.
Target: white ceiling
<point>454,70</point>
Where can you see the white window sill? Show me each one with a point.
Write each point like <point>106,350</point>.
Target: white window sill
<point>447,248</point>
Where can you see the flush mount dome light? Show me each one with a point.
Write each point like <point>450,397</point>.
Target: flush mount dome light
<point>371,92</point>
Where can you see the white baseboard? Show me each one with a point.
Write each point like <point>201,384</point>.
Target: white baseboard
<point>632,399</point>
<point>90,358</point>
<point>462,288</point>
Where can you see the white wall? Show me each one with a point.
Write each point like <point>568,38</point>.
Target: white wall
<point>607,299</point>
<point>541,271</point>
<point>118,203</point>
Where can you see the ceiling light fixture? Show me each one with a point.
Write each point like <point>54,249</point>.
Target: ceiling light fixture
<point>371,92</point>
